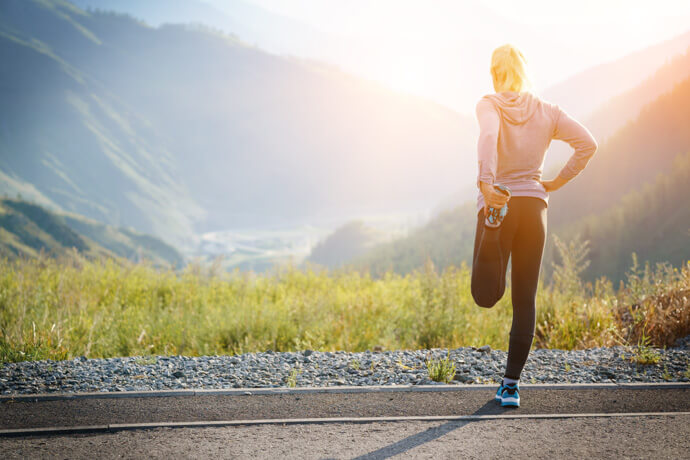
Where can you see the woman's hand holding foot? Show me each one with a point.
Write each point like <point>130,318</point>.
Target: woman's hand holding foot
<point>492,197</point>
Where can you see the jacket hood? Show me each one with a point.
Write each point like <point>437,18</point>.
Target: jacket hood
<point>516,108</point>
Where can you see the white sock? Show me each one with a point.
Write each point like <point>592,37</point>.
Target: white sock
<point>507,381</point>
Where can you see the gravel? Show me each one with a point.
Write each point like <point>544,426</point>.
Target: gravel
<point>315,368</point>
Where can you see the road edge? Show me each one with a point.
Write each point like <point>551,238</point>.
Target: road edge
<point>115,427</point>
<point>332,389</point>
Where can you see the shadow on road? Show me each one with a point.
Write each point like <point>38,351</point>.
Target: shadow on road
<point>431,434</point>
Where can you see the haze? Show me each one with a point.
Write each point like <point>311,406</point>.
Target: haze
<point>441,49</point>
<point>259,128</point>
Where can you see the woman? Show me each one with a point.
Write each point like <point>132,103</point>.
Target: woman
<point>516,128</point>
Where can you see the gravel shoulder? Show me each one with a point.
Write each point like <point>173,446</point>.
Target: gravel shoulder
<point>628,437</point>
<point>311,368</point>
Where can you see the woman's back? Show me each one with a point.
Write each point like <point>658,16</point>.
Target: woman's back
<point>516,129</point>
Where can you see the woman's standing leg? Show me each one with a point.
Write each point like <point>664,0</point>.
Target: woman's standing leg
<point>527,251</point>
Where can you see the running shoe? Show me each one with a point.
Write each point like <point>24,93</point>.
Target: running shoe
<point>498,397</point>
<point>495,216</point>
<point>510,397</point>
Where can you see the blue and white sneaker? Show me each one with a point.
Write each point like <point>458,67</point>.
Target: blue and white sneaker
<point>499,393</point>
<point>510,396</point>
<point>495,216</point>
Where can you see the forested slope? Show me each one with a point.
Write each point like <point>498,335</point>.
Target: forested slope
<point>27,229</point>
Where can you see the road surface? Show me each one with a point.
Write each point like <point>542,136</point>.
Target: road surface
<point>553,423</point>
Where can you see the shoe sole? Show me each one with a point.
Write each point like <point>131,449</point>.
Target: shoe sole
<point>510,404</point>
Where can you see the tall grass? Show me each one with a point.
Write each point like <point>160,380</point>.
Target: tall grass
<point>59,309</point>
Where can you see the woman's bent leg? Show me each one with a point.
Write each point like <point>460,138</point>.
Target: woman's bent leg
<point>490,260</point>
<point>527,251</point>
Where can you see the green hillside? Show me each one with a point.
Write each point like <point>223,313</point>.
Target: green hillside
<point>446,240</point>
<point>179,130</point>
<point>81,147</point>
<point>27,229</point>
<point>653,221</point>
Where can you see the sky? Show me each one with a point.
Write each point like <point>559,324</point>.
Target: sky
<point>440,49</point>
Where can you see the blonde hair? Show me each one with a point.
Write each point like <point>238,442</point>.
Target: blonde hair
<point>509,69</point>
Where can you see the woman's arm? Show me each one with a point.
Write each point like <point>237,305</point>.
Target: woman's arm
<point>487,146</point>
<point>487,152</point>
<point>579,138</point>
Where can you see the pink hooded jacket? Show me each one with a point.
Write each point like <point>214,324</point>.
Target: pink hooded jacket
<point>515,129</point>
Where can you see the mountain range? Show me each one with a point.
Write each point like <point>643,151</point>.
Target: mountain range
<point>178,130</point>
<point>466,44</point>
<point>620,106</point>
<point>274,33</point>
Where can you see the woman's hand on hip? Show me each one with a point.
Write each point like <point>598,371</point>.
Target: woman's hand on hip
<point>553,184</point>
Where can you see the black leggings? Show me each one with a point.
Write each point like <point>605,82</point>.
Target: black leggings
<point>521,236</point>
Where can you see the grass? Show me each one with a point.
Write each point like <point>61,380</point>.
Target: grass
<point>644,354</point>
<point>292,378</point>
<point>441,370</point>
<point>60,309</point>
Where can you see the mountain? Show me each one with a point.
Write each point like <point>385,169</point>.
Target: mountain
<point>583,93</point>
<point>619,110</point>
<point>344,244</point>
<point>624,107</point>
<point>633,156</point>
<point>630,198</point>
<point>252,24</point>
<point>446,240</point>
<point>27,229</point>
<point>372,53</point>
<point>70,143</point>
<point>179,129</point>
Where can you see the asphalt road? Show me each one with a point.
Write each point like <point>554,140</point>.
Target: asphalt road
<point>80,412</point>
<point>626,437</point>
<point>631,436</point>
